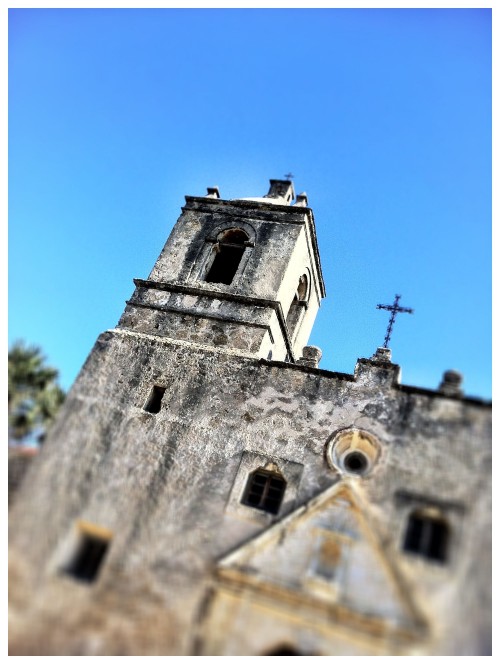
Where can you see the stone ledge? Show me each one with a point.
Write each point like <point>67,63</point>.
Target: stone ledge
<point>409,389</point>
<point>223,295</point>
<point>194,314</point>
<point>293,214</point>
<point>207,292</point>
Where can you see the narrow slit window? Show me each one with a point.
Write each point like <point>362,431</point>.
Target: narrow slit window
<point>153,404</point>
<point>265,491</point>
<point>427,537</point>
<point>89,558</point>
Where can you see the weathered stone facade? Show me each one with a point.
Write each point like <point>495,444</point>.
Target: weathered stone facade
<point>380,539</point>
<point>19,460</point>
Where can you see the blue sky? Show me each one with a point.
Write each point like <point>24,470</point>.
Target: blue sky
<point>384,117</point>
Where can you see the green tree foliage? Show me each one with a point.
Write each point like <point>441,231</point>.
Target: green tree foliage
<point>34,395</point>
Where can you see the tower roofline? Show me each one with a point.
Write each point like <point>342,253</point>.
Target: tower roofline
<point>277,213</point>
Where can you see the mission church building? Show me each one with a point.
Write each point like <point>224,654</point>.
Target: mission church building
<point>208,490</point>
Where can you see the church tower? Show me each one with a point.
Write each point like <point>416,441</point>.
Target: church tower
<point>240,274</point>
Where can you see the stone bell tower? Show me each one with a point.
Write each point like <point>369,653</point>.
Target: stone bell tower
<point>243,274</point>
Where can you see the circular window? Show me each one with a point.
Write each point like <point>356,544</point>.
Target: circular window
<point>353,452</point>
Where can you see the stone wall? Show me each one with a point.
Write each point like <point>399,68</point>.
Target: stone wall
<point>167,486</point>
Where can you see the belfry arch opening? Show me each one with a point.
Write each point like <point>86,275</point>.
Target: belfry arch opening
<point>226,257</point>
<point>297,306</point>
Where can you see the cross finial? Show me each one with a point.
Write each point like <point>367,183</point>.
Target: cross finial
<point>289,176</point>
<point>394,309</point>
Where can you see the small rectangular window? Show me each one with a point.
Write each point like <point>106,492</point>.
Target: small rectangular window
<point>89,557</point>
<point>265,491</point>
<point>427,537</point>
<point>153,404</point>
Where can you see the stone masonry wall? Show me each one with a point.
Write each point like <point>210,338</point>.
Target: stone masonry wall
<point>166,485</point>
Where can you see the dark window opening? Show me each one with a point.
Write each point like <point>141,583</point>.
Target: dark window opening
<point>225,265</point>
<point>270,355</point>
<point>265,491</point>
<point>153,404</point>
<point>229,251</point>
<point>89,558</point>
<point>427,537</point>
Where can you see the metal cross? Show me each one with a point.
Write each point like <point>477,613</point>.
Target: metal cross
<point>289,176</point>
<point>394,309</point>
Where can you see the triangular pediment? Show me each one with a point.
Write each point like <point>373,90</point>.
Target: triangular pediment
<point>328,556</point>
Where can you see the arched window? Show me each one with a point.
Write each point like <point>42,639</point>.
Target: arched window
<point>427,536</point>
<point>227,254</point>
<point>265,490</point>
<point>299,301</point>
